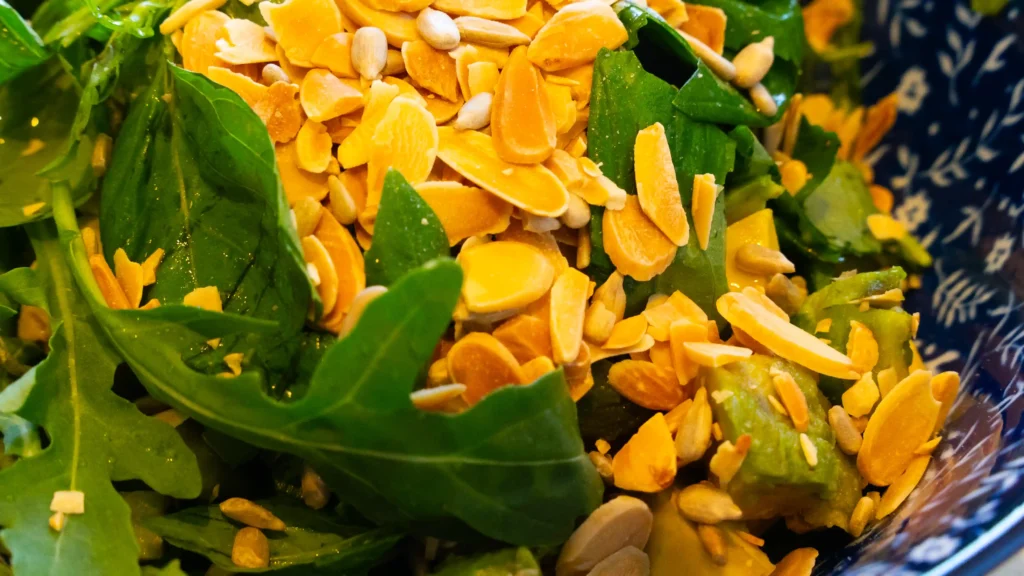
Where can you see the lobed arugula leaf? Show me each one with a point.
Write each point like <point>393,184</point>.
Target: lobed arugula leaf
<point>20,47</point>
<point>315,543</point>
<point>407,234</point>
<point>697,148</point>
<point>358,428</point>
<point>96,438</point>
<point>508,562</point>
<point>196,176</point>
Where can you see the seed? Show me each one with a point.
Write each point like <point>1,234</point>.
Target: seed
<point>475,114</point>
<point>603,464</point>
<point>719,65</point>
<point>343,206</point>
<point>809,449</point>
<point>307,215</point>
<point>599,323</point>
<point>578,214</point>
<point>694,435</point>
<point>762,260</point>
<point>315,492</point>
<point>435,399</point>
<point>862,513</point>
<point>250,549</point>
<point>753,62</point>
<point>251,514</point>
<point>540,224</point>
<point>763,100</point>
<point>707,504</point>
<point>355,311</point>
<point>713,539</point>
<point>438,29</point>
<point>620,522</point>
<point>793,399</point>
<point>489,33</point>
<point>794,175</point>
<point>847,435</point>
<point>272,73</point>
<point>785,293</point>
<point>369,52</point>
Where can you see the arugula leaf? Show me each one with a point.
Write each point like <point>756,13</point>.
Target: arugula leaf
<point>697,148</point>
<point>314,543</point>
<point>406,235</point>
<point>197,177</point>
<point>508,562</point>
<point>753,21</point>
<point>96,438</point>
<point>20,47</point>
<point>358,428</point>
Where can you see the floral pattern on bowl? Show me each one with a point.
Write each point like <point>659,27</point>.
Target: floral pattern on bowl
<point>955,160</point>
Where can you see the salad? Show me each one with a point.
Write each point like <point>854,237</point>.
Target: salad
<point>448,287</point>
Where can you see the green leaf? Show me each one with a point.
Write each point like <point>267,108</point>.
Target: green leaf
<point>36,110</point>
<point>697,148</point>
<point>314,543</point>
<point>22,285</point>
<point>196,176</point>
<point>817,149</point>
<point>604,413</point>
<point>406,235</point>
<point>358,428</point>
<point>173,568</point>
<point>96,438</point>
<point>743,200</point>
<point>20,47</point>
<point>751,22</point>
<point>509,562</point>
<point>839,209</point>
<point>708,98</point>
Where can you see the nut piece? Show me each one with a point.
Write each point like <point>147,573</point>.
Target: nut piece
<point>475,114</point>
<point>786,293</point>
<point>251,514</point>
<point>707,504</point>
<point>763,100</point>
<point>719,65</point>
<point>578,214</point>
<point>862,513</point>
<point>273,73</point>
<point>315,492</point>
<point>438,29</point>
<point>799,562</point>
<point>762,260</point>
<point>753,62</point>
<point>369,52</point>
<point>694,435</point>
<point>489,33</point>
<point>713,539</point>
<point>629,561</point>
<point>250,549</point>
<point>847,435</point>
<point>621,522</point>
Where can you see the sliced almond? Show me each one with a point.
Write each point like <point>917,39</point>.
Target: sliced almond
<point>903,421</point>
<point>646,384</point>
<point>705,192</point>
<point>130,276</point>
<point>715,355</point>
<point>398,27</point>
<point>504,275</point>
<point>483,364</point>
<point>647,462</point>
<point>522,122</point>
<point>634,244</point>
<point>335,54</point>
<point>656,185</point>
<point>729,458</point>
<point>431,69</point>
<point>568,309</point>
<point>406,140</point>
<point>575,34</point>
<point>301,26</point>
<point>902,486</point>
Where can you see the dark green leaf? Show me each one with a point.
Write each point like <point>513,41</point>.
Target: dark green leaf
<point>359,429</point>
<point>20,47</point>
<point>752,160</point>
<point>510,562</point>
<point>604,413</point>
<point>751,22</point>
<point>817,149</point>
<point>314,543</point>
<point>197,177</point>
<point>96,438</point>
<point>708,98</point>
<point>406,235</point>
<point>697,148</point>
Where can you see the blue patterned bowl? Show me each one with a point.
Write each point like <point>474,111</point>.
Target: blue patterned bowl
<point>955,160</point>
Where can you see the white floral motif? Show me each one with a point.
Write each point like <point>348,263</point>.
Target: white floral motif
<point>934,549</point>
<point>913,89</point>
<point>913,211</point>
<point>999,254</point>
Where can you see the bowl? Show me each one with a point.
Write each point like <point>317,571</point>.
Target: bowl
<point>955,161</point>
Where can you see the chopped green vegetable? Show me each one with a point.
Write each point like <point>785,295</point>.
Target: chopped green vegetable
<point>750,22</point>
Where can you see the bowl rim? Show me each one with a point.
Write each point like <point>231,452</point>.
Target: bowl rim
<point>999,542</point>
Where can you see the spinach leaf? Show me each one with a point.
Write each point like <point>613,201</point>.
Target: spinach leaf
<point>604,413</point>
<point>697,148</point>
<point>96,438</point>
<point>509,562</point>
<point>817,149</point>
<point>314,543</point>
<point>20,47</point>
<point>406,235</point>
<point>752,196</point>
<point>753,21</point>
<point>839,209</point>
<point>197,177</point>
<point>358,428</point>
<point>22,285</point>
<point>36,109</point>
<point>752,160</point>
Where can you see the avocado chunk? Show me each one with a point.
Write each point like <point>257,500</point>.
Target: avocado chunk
<point>776,479</point>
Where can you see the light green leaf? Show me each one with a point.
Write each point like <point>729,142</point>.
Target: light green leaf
<point>406,235</point>
<point>20,47</point>
<point>171,569</point>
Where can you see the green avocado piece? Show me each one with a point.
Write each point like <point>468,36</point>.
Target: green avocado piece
<point>845,290</point>
<point>775,479</point>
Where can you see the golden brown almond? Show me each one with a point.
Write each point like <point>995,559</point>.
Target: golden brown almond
<point>792,398</point>
<point>799,562</point>
<point>762,260</point>
<point>729,458</point>
<point>863,512</point>
<point>647,463</point>
<point>315,493</point>
<point>902,422</point>
<point>251,514</point>
<point>250,549</point>
<point>575,34</point>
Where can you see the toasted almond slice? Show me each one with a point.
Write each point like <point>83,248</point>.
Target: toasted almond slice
<point>859,399</point>
<point>682,332</point>
<point>183,15</point>
<point>399,5</point>
<point>324,96</point>
<point>522,122</point>
<point>199,41</point>
<point>130,276</point>
<point>150,265</point>
<point>729,458</point>
<point>863,512</point>
<point>613,294</point>
<point>928,447</point>
<point>435,399</point>
<point>627,333</point>
<point>647,462</point>
<point>313,147</point>
<point>431,69</point>
<point>335,54</point>
<point>705,191</point>
<point>504,275</point>
<point>533,188</point>
<point>537,367</point>
<point>483,364</point>
<point>885,227</point>
<point>355,149</point>
<point>715,355</point>
<point>783,338</point>
<point>405,140</point>
<point>902,486</point>
<point>465,211</point>
<point>599,190</point>
<point>111,289</point>
<point>281,111</point>
<point>799,562</point>
<point>809,449</point>
<point>656,184</point>
<point>356,309</point>
<point>398,27</point>
<point>527,337</point>
<point>568,309</point>
<point>503,10</point>
<point>348,263</point>
<point>251,92</point>
<point>206,297</point>
<point>316,254</point>
<point>646,384</point>
<point>944,388</point>
<point>597,353</point>
<point>543,241</point>
<point>575,34</point>
<point>634,244</point>
<point>662,313</point>
<point>297,182</point>
<point>529,24</point>
<point>483,77</point>
<point>245,42</point>
<point>707,24</point>
<point>903,421</point>
<point>302,25</point>
<point>861,347</point>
